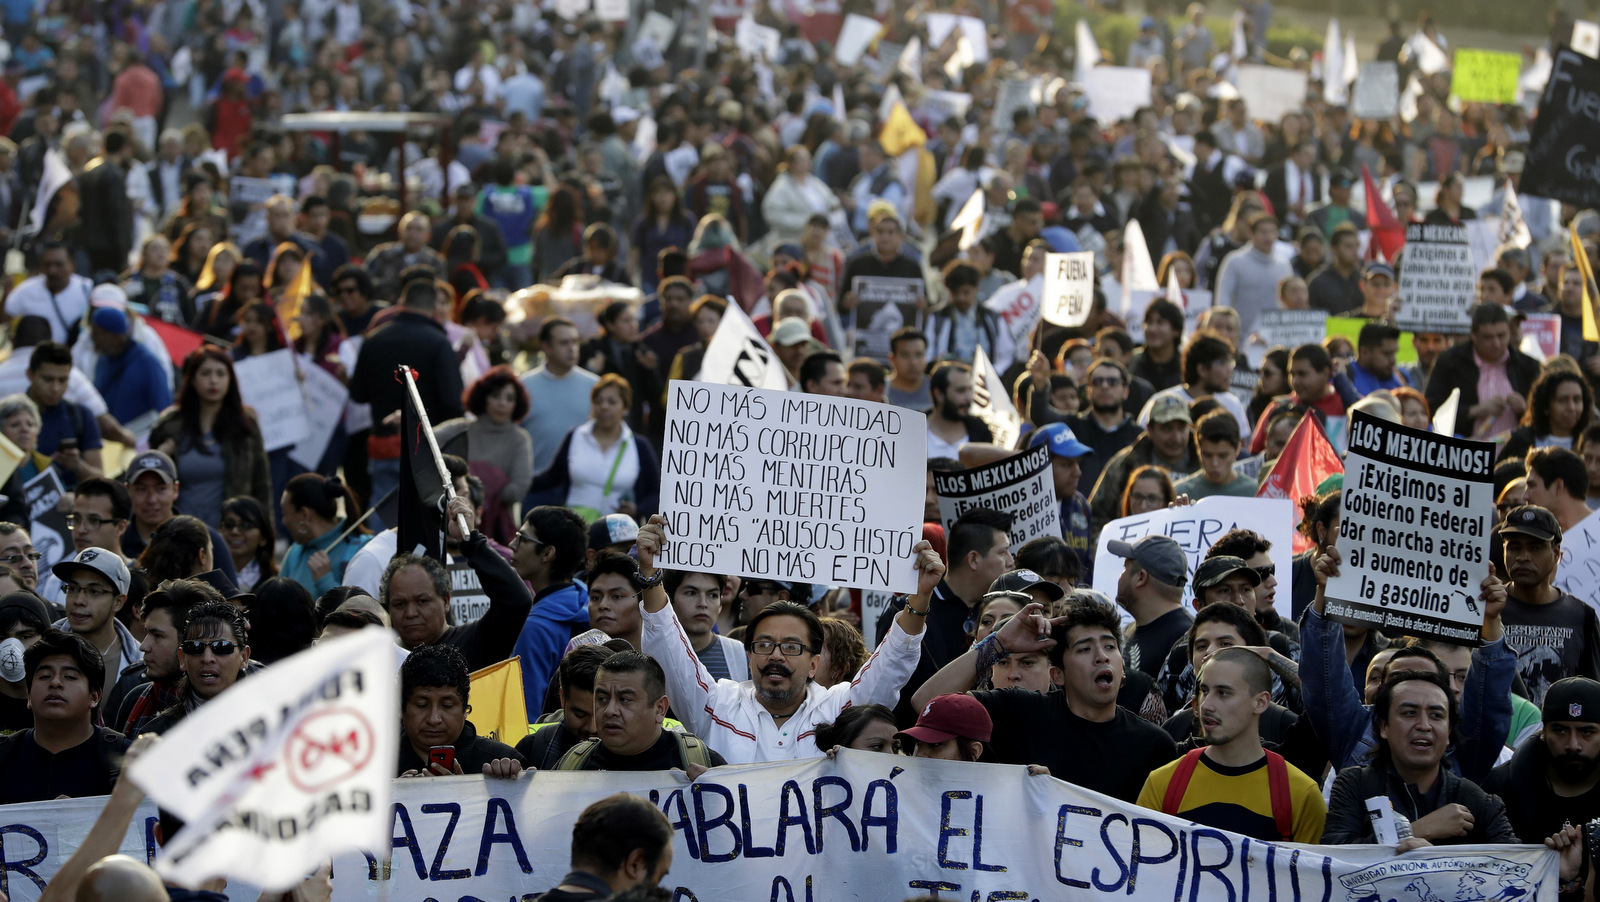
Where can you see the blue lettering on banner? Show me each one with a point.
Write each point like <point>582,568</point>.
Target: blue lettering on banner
<point>25,867</point>
<point>436,872</point>
<point>491,837</point>
<point>838,811</point>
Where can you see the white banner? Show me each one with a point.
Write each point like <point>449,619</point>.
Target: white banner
<point>855,36</point>
<point>861,826</point>
<point>295,765</point>
<point>1018,306</point>
<point>1020,485</point>
<point>795,487</point>
<point>1068,288</point>
<point>738,355</point>
<point>1438,281</point>
<point>991,402</point>
<point>1116,92</point>
<point>1270,92</point>
<point>1199,525</point>
<point>268,383</point>
<point>1418,507</point>
<point>325,400</point>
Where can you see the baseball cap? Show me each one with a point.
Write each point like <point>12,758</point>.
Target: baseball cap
<point>1340,179</point>
<point>108,295</point>
<point>153,462</point>
<point>612,529</point>
<point>1161,555</point>
<point>622,115</point>
<point>1018,582</point>
<point>1166,408</point>
<point>106,563</point>
<point>790,330</point>
<point>950,716</point>
<point>1063,443</point>
<point>110,319</point>
<point>1213,570</point>
<point>1377,269</point>
<point>1531,520</point>
<point>1574,698</point>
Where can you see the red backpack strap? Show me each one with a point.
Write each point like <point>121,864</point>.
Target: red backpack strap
<point>1179,784</point>
<point>1278,787</point>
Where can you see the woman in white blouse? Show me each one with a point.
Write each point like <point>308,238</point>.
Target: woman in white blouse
<point>605,467</point>
<point>795,196</point>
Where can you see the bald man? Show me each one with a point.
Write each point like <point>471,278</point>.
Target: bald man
<point>118,878</point>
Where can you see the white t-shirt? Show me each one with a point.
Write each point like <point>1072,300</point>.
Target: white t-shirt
<point>60,309</point>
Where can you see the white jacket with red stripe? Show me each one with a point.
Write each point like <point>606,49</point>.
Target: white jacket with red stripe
<point>727,716</point>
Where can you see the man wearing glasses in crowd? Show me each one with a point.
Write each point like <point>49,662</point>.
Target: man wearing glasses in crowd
<point>95,583</point>
<point>100,512</point>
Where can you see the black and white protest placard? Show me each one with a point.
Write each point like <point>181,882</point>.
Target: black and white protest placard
<point>1438,280</point>
<point>47,524</point>
<point>1564,148</point>
<point>1020,485</point>
<point>884,306</point>
<point>1377,92</point>
<point>468,602</point>
<point>1418,507</point>
<point>1292,328</point>
<point>802,488</point>
<point>1068,288</point>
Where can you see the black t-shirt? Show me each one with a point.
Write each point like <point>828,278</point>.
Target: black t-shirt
<point>661,756</point>
<point>33,774</point>
<point>1113,757</point>
<point>14,714</point>
<point>1149,644</point>
<point>1553,641</point>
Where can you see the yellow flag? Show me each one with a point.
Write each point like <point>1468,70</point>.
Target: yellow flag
<point>11,457</point>
<point>498,710</point>
<point>901,132</point>
<point>1591,332</point>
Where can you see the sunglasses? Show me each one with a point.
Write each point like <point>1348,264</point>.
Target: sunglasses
<point>197,647</point>
<point>1266,572</point>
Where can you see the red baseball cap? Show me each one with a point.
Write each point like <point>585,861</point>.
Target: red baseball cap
<point>950,716</point>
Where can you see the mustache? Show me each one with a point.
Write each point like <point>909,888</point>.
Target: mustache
<point>776,668</point>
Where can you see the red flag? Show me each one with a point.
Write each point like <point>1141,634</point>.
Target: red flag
<point>1306,461</point>
<point>179,341</point>
<point>1388,235</point>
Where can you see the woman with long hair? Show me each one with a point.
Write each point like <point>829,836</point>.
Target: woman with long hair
<point>616,350</point>
<point>463,248</point>
<point>495,446</point>
<point>215,275</point>
<point>190,250</point>
<point>252,542</point>
<point>324,541</point>
<point>320,334</point>
<point>1149,490</point>
<point>1273,381</point>
<point>557,234</point>
<point>1447,206</point>
<point>219,317</point>
<point>214,441</point>
<point>283,620</point>
<point>259,332</point>
<point>1560,408</point>
<point>178,549</point>
<point>663,224</point>
<point>287,279</point>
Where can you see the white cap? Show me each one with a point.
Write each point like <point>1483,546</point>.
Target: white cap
<point>108,295</point>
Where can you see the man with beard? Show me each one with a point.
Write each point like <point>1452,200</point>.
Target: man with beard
<point>950,423</point>
<point>1555,634</point>
<point>1553,781</point>
<point>1232,783</point>
<point>772,716</point>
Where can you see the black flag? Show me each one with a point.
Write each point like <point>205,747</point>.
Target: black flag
<point>420,498</point>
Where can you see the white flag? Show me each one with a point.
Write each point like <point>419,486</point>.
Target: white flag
<point>1137,271</point>
<point>56,174</point>
<point>970,219</point>
<point>1333,87</point>
<point>1444,419</point>
<point>1513,228</point>
<point>295,766</point>
<point>891,96</point>
<point>1352,63</point>
<point>1088,52</point>
<point>910,62</point>
<point>1175,293</point>
<point>738,355</point>
<point>839,112</point>
<point>991,402</point>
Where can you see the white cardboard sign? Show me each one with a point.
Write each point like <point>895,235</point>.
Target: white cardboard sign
<point>1068,288</point>
<point>268,383</point>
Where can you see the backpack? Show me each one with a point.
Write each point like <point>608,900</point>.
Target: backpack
<point>1277,786</point>
<point>690,750</point>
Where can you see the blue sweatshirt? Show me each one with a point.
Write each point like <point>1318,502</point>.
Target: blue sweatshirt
<point>545,634</point>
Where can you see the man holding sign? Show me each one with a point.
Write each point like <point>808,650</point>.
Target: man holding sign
<point>772,716</point>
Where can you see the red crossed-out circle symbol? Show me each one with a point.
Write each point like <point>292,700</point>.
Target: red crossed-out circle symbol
<point>327,748</point>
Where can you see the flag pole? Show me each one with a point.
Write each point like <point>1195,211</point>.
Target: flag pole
<point>371,509</point>
<point>433,444</point>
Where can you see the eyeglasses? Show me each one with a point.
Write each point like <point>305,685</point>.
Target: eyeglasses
<point>95,593</point>
<point>615,597</point>
<point>91,521</point>
<point>521,537</point>
<point>15,560</point>
<point>789,649</point>
<point>1267,572</point>
<point>1142,498</point>
<point>1106,381</point>
<point>229,525</point>
<point>197,647</point>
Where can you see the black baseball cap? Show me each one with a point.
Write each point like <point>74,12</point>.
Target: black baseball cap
<point>1018,582</point>
<point>1531,520</point>
<point>1574,698</point>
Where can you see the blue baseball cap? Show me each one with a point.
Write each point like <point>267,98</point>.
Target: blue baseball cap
<point>1062,442</point>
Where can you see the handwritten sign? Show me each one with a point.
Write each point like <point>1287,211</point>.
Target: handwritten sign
<point>1418,507</point>
<point>1438,281</point>
<point>786,486</point>
<point>1564,148</point>
<point>1068,288</point>
<point>1486,76</point>
<point>1020,485</point>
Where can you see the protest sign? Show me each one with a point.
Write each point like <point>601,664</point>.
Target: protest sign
<point>855,37</point>
<point>756,41</point>
<point>1196,527</point>
<point>738,355</point>
<point>774,484</point>
<point>1578,571</point>
<point>1545,330</point>
<point>1068,288</point>
<point>356,416</point>
<point>1438,281</point>
<point>859,825</point>
<point>1015,94</point>
<point>885,305</point>
<point>1377,92</point>
<point>268,383</point>
<point>1021,485</point>
<point>1350,327</point>
<point>1486,76</point>
<point>1116,92</point>
<point>941,105</point>
<point>571,9</point>
<point>325,401</point>
<point>1483,235</point>
<point>47,523</point>
<point>1292,328</point>
<point>1270,92</point>
<point>1018,306</point>
<point>1586,38</point>
<point>468,602</point>
<point>1418,507</point>
<point>296,765</point>
<point>873,604</point>
<point>1565,143</point>
<point>658,28</point>
<point>247,218</point>
<point>991,401</point>
<point>612,10</point>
